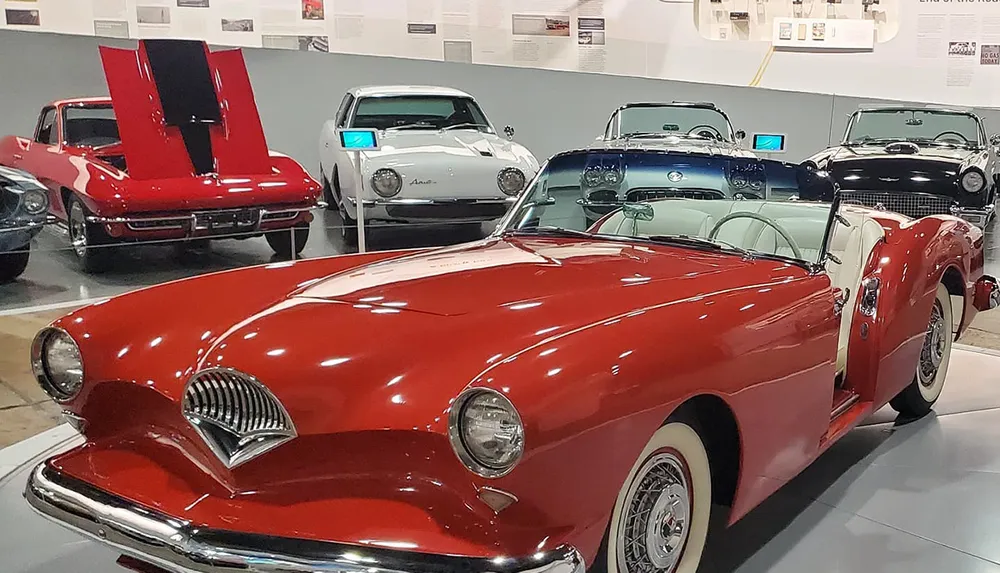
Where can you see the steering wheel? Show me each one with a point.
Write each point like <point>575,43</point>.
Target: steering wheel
<point>705,130</point>
<point>960,136</point>
<point>763,219</point>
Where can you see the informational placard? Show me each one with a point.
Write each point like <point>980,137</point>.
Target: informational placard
<point>358,139</point>
<point>824,34</point>
<point>769,142</point>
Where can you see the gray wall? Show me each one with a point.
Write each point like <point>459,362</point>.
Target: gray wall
<point>297,91</point>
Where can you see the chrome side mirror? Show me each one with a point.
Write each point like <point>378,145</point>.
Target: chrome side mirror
<point>741,135</point>
<point>509,132</point>
<point>995,139</point>
<point>638,211</point>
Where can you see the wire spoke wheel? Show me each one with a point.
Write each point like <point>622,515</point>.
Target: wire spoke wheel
<point>657,517</point>
<point>932,353</point>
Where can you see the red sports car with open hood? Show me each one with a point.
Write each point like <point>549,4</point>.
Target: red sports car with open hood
<point>552,398</point>
<point>176,152</point>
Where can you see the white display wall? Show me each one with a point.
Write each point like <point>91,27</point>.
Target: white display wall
<point>945,51</point>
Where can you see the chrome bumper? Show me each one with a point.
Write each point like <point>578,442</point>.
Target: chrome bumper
<point>190,221</point>
<point>978,217</point>
<point>449,201</point>
<point>180,547</point>
<point>434,210</point>
<point>987,294</point>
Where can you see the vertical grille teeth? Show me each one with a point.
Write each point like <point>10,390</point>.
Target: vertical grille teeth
<point>237,416</point>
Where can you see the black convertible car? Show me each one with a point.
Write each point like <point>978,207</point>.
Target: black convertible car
<point>917,162</point>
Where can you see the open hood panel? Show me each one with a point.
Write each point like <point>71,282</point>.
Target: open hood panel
<point>183,110</point>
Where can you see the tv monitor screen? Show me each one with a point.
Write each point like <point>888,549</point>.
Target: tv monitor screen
<point>768,142</point>
<point>358,139</point>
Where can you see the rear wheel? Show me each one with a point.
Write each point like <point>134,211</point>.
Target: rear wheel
<point>661,517</point>
<point>91,244</point>
<point>917,399</point>
<point>287,242</point>
<point>13,263</point>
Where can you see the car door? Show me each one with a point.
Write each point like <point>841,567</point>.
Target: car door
<point>41,155</point>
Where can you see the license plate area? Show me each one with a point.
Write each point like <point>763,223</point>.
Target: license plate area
<point>227,221</point>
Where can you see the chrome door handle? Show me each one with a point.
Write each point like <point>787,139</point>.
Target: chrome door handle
<point>18,156</point>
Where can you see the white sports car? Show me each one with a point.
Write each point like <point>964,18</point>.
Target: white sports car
<point>440,161</point>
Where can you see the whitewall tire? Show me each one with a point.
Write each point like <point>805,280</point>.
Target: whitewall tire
<point>661,516</point>
<point>932,367</point>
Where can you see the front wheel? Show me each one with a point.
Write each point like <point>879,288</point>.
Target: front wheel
<point>661,517</point>
<point>916,399</point>
<point>287,242</point>
<point>90,243</point>
<point>13,263</point>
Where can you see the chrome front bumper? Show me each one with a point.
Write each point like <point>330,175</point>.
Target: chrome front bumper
<point>180,547</point>
<point>442,209</point>
<point>190,222</point>
<point>978,217</point>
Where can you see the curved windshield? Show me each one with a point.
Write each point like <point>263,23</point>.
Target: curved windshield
<point>90,126</point>
<point>680,120</point>
<point>916,125</point>
<point>420,112</point>
<point>743,205</point>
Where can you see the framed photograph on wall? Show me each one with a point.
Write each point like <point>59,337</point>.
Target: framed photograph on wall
<point>313,10</point>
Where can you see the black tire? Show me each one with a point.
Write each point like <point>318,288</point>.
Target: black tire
<point>917,399</point>
<point>328,197</point>
<point>13,263</point>
<point>281,241</point>
<point>90,243</point>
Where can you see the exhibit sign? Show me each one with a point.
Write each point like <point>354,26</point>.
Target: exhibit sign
<point>357,141</point>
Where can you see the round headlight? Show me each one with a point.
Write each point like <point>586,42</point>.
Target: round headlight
<point>57,364</point>
<point>35,202</point>
<point>386,182</point>
<point>973,182</point>
<point>612,176</point>
<point>592,176</point>
<point>486,432</point>
<point>511,180</point>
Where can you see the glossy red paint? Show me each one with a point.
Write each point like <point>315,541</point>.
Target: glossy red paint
<point>159,179</point>
<point>595,342</point>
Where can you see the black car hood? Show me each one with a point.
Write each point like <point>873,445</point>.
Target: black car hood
<point>955,155</point>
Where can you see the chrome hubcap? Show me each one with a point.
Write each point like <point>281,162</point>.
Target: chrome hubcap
<point>932,353</point>
<point>78,230</point>
<point>656,517</point>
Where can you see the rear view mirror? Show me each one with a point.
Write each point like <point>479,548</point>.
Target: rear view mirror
<point>509,132</point>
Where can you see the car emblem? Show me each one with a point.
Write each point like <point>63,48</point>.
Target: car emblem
<point>423,182</point>
<point>674,176</point>
<point>889,179</point>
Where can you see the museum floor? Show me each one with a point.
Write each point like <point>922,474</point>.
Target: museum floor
<point>920,497</point>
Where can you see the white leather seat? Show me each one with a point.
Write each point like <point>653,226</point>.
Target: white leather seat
<point>805,222</point>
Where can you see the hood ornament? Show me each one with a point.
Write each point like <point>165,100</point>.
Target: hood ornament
<point>889,179</point>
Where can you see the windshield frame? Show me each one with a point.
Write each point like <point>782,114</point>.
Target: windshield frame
<point>64,112</point>
<point>353,111</point>
<point>981,137</point>
<point>613,128</point>
<point>505,226</point>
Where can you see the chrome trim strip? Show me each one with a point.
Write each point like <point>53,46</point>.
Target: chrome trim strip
<point>455,201</point>
<point>24,226</point>
<point>845,406</point>
<point>179,546</point>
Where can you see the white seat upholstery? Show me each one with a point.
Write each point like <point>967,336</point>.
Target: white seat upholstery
<point>805,222</point>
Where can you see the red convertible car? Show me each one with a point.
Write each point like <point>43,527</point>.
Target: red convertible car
<point>177,152</point>
<point>549,399</point>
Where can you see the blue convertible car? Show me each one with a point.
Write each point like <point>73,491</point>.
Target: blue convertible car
<point>24,208</point>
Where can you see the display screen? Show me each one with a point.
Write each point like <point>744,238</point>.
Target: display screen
<point>358,139</point>
<point>768,142</point>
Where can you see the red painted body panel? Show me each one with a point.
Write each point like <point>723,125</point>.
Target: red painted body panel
<point>160,179</point>
<point>595,342</point>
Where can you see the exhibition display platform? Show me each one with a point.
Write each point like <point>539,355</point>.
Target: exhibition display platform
<point>921,496</point>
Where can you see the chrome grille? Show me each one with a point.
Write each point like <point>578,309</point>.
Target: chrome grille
<point>237,416</point>
<point>914,205</point>
<point>636,195</point>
